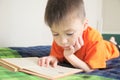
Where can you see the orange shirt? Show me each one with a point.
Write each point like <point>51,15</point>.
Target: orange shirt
<point>95,51</point>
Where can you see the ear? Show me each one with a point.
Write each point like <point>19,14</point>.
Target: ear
<point>85,23</point>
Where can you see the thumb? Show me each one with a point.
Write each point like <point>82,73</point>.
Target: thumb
<point>54,64</point>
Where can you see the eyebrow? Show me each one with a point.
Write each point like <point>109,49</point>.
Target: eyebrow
<point>64,30</point>
<point>69,30</point>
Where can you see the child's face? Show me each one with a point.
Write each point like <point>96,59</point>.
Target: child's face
<point>67,32</point>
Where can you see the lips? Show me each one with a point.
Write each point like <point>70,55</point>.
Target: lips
<point>66,47</point>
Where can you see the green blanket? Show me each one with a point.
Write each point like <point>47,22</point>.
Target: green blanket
<point>9,75</point>
<point>8,53</point>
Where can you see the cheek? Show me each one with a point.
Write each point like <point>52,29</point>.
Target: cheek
<point>72,40</point>
<point>75,38</point>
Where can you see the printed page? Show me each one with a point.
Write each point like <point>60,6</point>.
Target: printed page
<point>22,62</point>
<point>56,72</point>
<point>31,64</point>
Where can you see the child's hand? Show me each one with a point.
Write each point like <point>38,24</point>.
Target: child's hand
<point>72,49</point>
<point>47,61</point>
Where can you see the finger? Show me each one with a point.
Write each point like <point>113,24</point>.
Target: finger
<point>55,63</point>
<point>72,49</point>
<point>43,61</point>
<point>80,39</point>
<point>47,62</point>
<point>77,44</point>
<point>39,61</point>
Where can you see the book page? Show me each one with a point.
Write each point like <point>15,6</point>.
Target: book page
<point>52,72</point>
<point>23,62</point>
<point>31,64</point>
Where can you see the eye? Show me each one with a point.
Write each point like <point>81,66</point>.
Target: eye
<point>70,34</point>
<point>55,34</point>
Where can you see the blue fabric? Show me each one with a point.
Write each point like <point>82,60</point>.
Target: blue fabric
<point>34,51</point>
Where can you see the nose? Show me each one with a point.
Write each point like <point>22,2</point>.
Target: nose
<point>63,41</point>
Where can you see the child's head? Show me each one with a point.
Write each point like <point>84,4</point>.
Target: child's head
<point>66,20</point>
<point>57,10</point>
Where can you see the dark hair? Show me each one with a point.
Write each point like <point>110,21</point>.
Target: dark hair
<point>56,10</point>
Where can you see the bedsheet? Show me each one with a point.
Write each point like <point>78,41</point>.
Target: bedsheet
<point>112,72</point>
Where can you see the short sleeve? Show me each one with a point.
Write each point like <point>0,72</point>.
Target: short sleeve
<point>96,55</point>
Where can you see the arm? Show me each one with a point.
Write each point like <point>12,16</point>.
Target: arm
<point>76,62</point>
<point>73,59</point>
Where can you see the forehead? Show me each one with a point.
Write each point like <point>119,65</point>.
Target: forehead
<point>67,24</point>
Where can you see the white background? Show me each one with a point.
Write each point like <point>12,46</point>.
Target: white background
<point>111,16</point>
<point>22,22</point>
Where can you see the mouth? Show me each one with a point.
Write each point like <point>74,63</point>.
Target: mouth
<point>66,47</point>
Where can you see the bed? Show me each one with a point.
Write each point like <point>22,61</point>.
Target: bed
<point>112,72</point>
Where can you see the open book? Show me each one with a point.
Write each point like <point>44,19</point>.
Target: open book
<point>30,65</point>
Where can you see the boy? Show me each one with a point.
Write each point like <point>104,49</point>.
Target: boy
<point>73,40</point>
